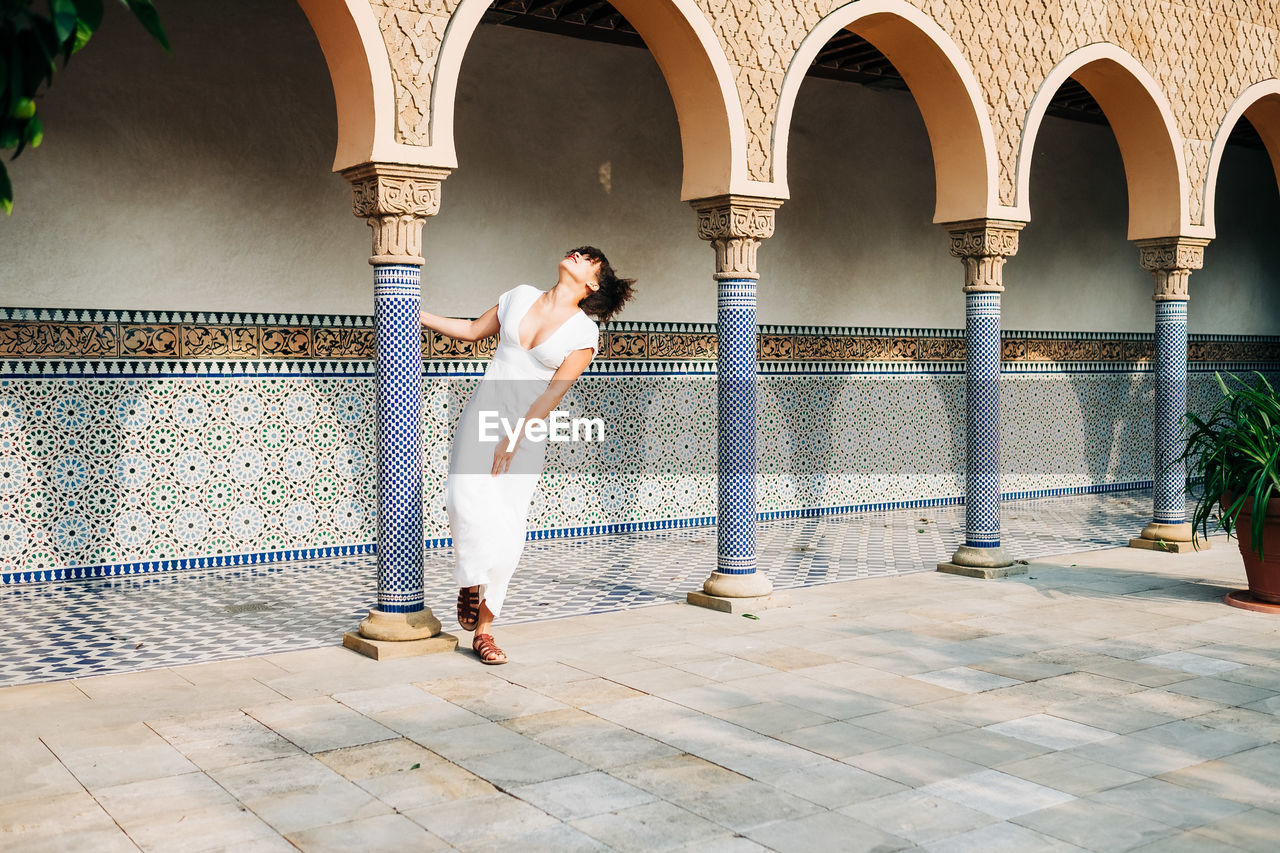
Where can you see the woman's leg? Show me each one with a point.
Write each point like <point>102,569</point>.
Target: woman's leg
<point>483,643</point>
<point>468,607</point>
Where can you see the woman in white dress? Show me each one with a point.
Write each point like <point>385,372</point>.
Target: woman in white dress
<point>545,341</point>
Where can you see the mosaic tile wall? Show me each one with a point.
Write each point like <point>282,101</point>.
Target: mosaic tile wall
<point>131,465</point>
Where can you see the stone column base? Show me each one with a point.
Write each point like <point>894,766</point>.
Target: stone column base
<point>985,563</point>
<point>738,605</point>
<point>382,635</point>
<point>1170,538</point>
<point>983,572</point>
<point>389,649</point>
<point>753,585</point>
<point>737,593</point>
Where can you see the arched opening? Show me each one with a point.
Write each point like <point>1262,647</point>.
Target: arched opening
<point>1093,186</point>
<point>1236,292</point>
<point>562,142</point>
<point>869,168</point>
<point>691,62</point>
<point>1259,106</point>
<point>1142,121</point>
<point>942,85</point>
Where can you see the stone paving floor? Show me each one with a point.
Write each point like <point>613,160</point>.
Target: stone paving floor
<point>1107,701</point>
<point>125,624</point>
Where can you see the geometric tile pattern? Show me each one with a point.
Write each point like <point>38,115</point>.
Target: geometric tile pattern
<point>1171,405</point>
<point>137,472</point>
<point>736,419</point>
<point>140,470</point>
<point>982,419</point>
<point>397,294</point>
<point>122,624</point>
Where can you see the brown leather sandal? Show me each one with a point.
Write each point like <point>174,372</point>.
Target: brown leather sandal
<point>468,607</point>
<point>488,650</point>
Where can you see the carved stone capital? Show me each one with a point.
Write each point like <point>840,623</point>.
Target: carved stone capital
<point>736,226</point>
<point>395,200</point>
<point>983,245</point>
<point>1170,261</point>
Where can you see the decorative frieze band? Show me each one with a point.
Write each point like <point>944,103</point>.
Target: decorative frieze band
<point>735,226</point>
<point>395,200</point>
<point>983,245</point>
<point>352,339</point>
<point>1170,260</point>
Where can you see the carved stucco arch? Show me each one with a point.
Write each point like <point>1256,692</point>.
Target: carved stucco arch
<point>1151,145</point>
<point>944,88</point>
<point>363,88</point>
<point>697,73</point>
<point>395,66</point>
<point>1260,103</point>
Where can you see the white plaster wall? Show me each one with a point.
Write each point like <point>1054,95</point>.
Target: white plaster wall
<point>201,182</point>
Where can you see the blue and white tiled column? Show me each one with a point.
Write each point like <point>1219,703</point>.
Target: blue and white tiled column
<point>983,246</point>
<point>735,226</point>
<point>397,299</point>
<point>396,200</point>
<point>1170,262</point>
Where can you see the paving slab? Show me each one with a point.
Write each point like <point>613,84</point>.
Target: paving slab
<point>584,795</point>
<point>917,817</point>
<point>381,832</point>
<point>100,758</point>
<point>657,825</point>
<point>930,710</point>
<point>804,834</point>
<point>33,772</point>
<point>1093,826</point>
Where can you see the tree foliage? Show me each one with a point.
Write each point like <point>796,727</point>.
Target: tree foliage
<point>31,42</point>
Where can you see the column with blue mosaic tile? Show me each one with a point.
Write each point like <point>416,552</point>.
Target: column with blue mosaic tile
<point>983,246</point>
<point>1170,261</point>
<point>735,226</point>
<point>396,201</point>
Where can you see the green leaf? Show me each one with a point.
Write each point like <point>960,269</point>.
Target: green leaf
<point>25,109</point>
<point>750,616</point>
<point>64,19</point>
<point>83,34</point>
<point>35,132</point>
<point>6,191</point>
<point>146,14</point>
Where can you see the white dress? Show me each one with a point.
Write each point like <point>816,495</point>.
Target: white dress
<point>488,514</point>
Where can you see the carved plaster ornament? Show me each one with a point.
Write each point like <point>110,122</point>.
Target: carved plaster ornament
<point>1170,261</point>
<point>395,200</point>
<point>736,226</point>
<point>983,245</point>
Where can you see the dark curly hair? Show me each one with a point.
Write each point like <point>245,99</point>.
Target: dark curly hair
<point>614,292</point>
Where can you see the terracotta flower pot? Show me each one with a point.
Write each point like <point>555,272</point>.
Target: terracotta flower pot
<point>1263,574</point>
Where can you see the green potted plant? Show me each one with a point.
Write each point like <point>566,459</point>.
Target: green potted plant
<point>1236,451</point>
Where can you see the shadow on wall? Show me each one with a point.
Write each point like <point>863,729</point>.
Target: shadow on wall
<point>1116,447</point>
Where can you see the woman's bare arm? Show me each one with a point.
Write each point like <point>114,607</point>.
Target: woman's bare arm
<point>485,326</point>
<point>564,377</point>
